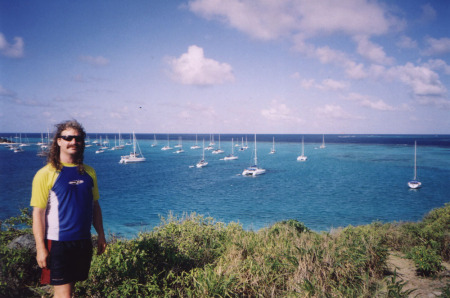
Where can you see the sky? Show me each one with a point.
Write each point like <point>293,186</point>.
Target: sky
<point>226,66</point>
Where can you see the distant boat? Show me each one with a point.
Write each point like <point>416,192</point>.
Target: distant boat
<point>242,146</point>
<point>323,142</point>
<point>155,143</point>
<point>231,156</point>
<point>202,163</point>
<point>302,157</point>
<point>179,146</point>
<point>254,170</point>
<point>415,183</point>
<point>180,143</point>
<point>196,146</point>
<point>218,150</point>
<point>133,156</point>
<point>273,146</point>
<point>168,145</point>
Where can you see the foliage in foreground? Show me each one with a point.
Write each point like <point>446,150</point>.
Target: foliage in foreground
<point>195,256</point>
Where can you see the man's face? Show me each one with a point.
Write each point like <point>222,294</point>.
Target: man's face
<point>69,141</point>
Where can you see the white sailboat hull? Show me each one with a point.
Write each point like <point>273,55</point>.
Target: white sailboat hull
<point>302,158</point>
<point>414,184</point>
<point>253,171</point>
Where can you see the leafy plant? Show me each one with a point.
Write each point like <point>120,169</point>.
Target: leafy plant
<point>427,261</point>
<point>395,287</point>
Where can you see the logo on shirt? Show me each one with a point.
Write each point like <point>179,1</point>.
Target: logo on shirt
<point>76,182</point>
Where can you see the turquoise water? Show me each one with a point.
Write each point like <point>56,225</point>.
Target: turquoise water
<point>352,181</point>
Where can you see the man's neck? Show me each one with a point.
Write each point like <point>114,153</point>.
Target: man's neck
<point>66,158</point>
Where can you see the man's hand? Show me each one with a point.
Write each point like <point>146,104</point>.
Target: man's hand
<point>101,245</point>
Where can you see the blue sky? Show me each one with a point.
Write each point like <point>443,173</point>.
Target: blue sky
<point>210,66</point>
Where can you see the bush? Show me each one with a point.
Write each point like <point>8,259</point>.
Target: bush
<point>427,261</point>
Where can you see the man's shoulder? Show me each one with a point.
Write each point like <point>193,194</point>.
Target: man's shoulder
<point>90,170</point>
<point>47,169</point>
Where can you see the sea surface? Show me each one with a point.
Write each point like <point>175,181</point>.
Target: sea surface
<point>354,180</point>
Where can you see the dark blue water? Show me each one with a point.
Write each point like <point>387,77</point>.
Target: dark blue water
<point>356,179</point>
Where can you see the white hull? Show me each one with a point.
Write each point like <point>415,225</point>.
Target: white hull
<point>230,157</point>
<point>201,164</point>
<point>414,184</point>
<point>253,171</point>
<point>131,159</point>
<point>302,158</point>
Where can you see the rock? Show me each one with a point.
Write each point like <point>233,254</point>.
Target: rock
<point>23,242</point>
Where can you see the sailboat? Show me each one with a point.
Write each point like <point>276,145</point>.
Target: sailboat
<point>415,183</point>
<point>133,156</point>
<point>196,146</point>
<point>302,157</point>
<point>231,156</point>
<point>202,163</point>
<point>273,147</point>
<point>155,143</point>
<point>254,170</point>
<point>179,146</point>
<point>218,150</point>
<point>323,142</point>
<point>168,145</point>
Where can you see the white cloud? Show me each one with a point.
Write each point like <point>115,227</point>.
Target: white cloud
<point>438,64</point>
<point>369,102</point>
<point>428,13</point>
<point>406,42</point>
<point>371,51</point>
<point>327,84</point>
<point>279,112</point>
<point>96,61</point>
<point>15,50</point>
<point>193,68</point>
<point>422,80</point>
<point>335,112</point>
<point>437,46</point>
<point>7,93</point>
<point>268,20</point>
<point>435,101</point>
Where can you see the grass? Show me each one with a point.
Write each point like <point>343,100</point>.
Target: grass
<point>194,256</point>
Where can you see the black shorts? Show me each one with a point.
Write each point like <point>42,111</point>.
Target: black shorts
<point>68,261</point>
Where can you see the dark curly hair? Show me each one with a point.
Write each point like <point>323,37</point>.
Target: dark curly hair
<point>54,155</point>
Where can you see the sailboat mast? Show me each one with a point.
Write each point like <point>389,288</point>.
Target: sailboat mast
<point>415,160</point>
<point>256,159</point>
<point>303,146</point>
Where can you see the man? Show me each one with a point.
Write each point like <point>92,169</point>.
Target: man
<point>65,205</point>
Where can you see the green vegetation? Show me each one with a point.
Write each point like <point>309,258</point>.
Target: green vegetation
<point>194,256</point>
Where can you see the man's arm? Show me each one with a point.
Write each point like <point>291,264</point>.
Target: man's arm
<point>39,236</point>
<point>98,225</point>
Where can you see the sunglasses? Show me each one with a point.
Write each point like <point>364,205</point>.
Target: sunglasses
<point>70,138</point>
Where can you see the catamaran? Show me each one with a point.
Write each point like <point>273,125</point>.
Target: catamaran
<point>302,157</point>
<point>133,156</point>
<point>415,183</point>
<point>202,163</point>
<point>231,156</point>
<point>254,170</point>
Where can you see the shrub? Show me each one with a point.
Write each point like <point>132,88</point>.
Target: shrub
<point>427,261</point>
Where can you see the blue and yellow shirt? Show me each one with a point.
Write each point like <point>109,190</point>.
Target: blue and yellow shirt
<point>68,198</point>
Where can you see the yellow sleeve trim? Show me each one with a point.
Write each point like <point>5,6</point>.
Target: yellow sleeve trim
<point>42,184</point>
